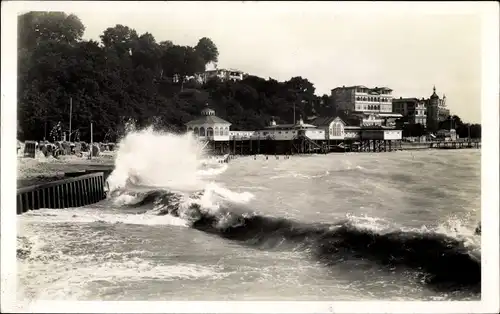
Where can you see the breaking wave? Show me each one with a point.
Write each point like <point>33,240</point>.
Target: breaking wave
<point>170,183</point>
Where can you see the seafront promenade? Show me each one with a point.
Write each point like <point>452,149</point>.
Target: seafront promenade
<point>42,170</point>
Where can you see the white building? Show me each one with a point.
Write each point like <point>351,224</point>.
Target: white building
<point>209,126</point>
<point>221,74</point>
<point>333,127</point>
<point>282,132</point>
<point>372,105</point>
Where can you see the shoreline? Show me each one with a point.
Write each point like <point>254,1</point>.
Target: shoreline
<point>38,171</point>
<point>35,171</point>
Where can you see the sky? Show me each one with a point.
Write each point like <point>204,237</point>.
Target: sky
<point>410,49</point>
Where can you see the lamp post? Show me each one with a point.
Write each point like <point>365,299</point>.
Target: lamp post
<point>70,116</point>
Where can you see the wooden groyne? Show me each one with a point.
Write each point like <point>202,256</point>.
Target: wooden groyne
<point>72,192</point>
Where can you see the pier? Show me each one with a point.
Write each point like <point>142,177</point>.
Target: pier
<point>303,145</point>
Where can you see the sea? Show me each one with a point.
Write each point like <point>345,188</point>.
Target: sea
<point>178,224</point>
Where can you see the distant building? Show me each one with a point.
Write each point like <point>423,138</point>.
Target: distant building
<point>221,74</point>
<point>436,111</point>
<point>450,135</point>
<point>284,132</point>
<point>413,108</point>
<point>209,126</point>
<point>372,105</point>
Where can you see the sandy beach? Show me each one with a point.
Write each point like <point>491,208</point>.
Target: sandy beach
<point>42,169</point>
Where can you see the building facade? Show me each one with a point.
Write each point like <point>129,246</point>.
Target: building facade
<point>372,105</point>
<point>362,99</point>
<point>221,74</point>
<point>209,126</point>
<point>333,127</point>
<point>436,111</point>
<point>413,108</point>
<point>286,132</point>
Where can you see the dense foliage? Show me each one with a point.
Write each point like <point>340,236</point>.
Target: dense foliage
<point>127,76</point>
<point>131,76</point>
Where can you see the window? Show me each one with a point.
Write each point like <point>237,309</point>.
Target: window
<point>226,131</point>
<point>202,131</point>
<point>210,131</point>
<point>337,130</point>
<point>196,131</point>
<point>216,131</point>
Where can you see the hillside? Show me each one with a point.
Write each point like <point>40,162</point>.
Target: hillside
<point>127,76</point>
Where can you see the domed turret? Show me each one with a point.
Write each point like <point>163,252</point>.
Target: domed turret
<point>434,95</point>
<point>207,111</point>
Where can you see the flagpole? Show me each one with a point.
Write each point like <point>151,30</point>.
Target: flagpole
<point>70,114</point>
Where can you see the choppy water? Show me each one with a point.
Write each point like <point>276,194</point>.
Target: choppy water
<point>394,226</point>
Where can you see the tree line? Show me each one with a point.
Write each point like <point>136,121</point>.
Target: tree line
<point>128,76</point>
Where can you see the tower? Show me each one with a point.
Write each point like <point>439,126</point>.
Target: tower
<point>433,111</point>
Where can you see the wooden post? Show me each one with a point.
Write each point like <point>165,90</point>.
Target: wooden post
<point>86,191</point>
<point>91,190</point>
<point>19,204</point>
<point>42,202</point>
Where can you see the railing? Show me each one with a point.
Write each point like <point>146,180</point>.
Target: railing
<point>71,192</point>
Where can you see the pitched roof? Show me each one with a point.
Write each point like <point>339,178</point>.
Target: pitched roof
<point>208,120</point>
<point>322,121</point>
<point>290,126</point>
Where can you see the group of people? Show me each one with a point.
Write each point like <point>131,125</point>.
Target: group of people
<point>65,148</point>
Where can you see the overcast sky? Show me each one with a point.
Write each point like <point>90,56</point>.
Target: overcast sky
<point>328,44</point>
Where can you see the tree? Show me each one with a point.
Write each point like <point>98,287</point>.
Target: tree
<point>207,50</point>
<point>181,61</point>
<point>36,27</point>
<point>121,38</point>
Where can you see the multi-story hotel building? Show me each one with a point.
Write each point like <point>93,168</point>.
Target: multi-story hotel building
<point>373,105</point>
<point>413,108</point>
